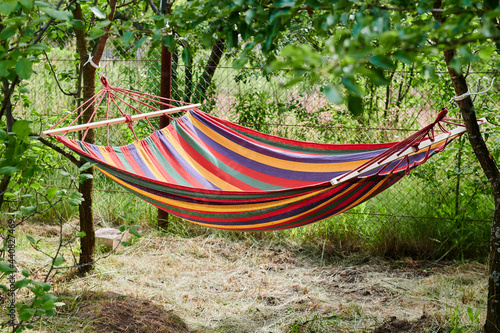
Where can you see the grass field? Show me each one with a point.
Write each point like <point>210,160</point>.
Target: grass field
<point>214,284</point>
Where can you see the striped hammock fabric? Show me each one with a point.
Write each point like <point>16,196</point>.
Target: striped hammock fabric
<point>222,175</point>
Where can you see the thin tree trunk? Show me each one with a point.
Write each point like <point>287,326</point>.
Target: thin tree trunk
<point>492,173</point>
<point>208,73</point>
<point>87,242</point>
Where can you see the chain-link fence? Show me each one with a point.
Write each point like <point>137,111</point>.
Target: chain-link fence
<point>449,189</point>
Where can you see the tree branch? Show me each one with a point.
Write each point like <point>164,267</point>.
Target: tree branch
<point>153,7</point>
<point>61,151</point>
<point>55,76</point>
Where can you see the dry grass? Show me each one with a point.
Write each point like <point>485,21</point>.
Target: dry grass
<point>218,285</point>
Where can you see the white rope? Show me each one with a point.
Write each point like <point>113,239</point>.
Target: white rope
<point>91,62</point>
<point>468,93</point>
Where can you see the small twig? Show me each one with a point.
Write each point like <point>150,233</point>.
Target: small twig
<point>55,77</point>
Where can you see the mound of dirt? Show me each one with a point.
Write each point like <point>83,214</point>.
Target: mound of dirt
<point>394,325</point>
<point>117,313</point>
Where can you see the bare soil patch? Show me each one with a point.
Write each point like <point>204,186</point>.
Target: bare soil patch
<point>111,312</point>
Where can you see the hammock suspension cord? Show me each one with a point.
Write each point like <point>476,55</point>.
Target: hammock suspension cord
<point>413,142</point>
<point>114,96</point>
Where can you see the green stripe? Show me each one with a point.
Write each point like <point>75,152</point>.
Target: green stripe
<point>165,164</point>
<point>223,166</point>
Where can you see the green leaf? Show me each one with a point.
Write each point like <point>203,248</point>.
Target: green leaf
<point>8,32</point>
<point>486,51</point>
<point>45,287</point>
<point>333,94</point>
<point>284,3</point>
<point>5,268</point>
<point>25,313</point>
<point>96,33</point>
<point>58,14</point>
<point>30,239</point>
<point>77,24</point>
<point>134,232</point>
<point>98,12</point>
<point>7,170</point>
<point>42,4</point>
<point>28,4</point>
<point>388,38</point>
<point>351,87</point>
<point>249,15</point>
<point>22,283</point>
<point>22,128</point>
<point>403,56</point>
<point>103,24</point>
<point>8,7</point>
<point>51,192</point>
<point>59,261</point>
<point>84,176</point>
<point>5,66</point>
<point>24,68</point>
<point>127,37</point>
<point>26,273</point>
<point>4,288</point>
<point>28,210</point>
<point>58,304</point>
<point>355,104</point>
<point>81,234</point>
<point>85,166</point>
<point>187,54</point>
<point>49,305</point>
<point>382,61</point>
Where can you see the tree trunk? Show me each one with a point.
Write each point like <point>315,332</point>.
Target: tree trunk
<point>165,92</point>
<point>87,242</point>
<point>206,78</point>
<point>492,173</point>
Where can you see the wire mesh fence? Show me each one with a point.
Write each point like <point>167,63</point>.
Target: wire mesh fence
<point>450,188</point>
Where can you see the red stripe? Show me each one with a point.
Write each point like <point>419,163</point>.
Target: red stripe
<point>327,146</point>
<point>154,160</point>
<point>130,159</point>
<point>174,163</point>
<point>115,158</point>
<point>269,179</point>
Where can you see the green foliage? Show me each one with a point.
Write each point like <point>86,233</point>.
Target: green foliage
<point>455,324</point>
<point>41,303</point>
<point>345,40</point>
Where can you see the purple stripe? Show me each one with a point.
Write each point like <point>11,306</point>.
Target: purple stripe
<point>183,163</point>
<point>265,168</point>
<point>278,153</point>
<point>140,161</point>
<point>94,148</point>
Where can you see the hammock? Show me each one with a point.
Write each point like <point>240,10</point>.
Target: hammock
<point>222,175</point>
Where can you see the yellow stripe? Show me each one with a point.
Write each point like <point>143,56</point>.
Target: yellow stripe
<point>207,208</point>
<point>145,157</point>
<point>360,200</point>
<point>106,156</point>
<point>214,179</point>
<point>272,161</point>
<point>270,224</point>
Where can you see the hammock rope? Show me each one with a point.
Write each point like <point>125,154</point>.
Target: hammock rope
<point>222,175</point>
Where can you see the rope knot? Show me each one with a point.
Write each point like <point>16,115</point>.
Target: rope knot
<point>104,81</point>
<point>441,115</point>
<point>128,121</point>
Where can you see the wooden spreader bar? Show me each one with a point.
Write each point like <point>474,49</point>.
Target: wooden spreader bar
<point>120,120</point>
<point>408,151</point>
